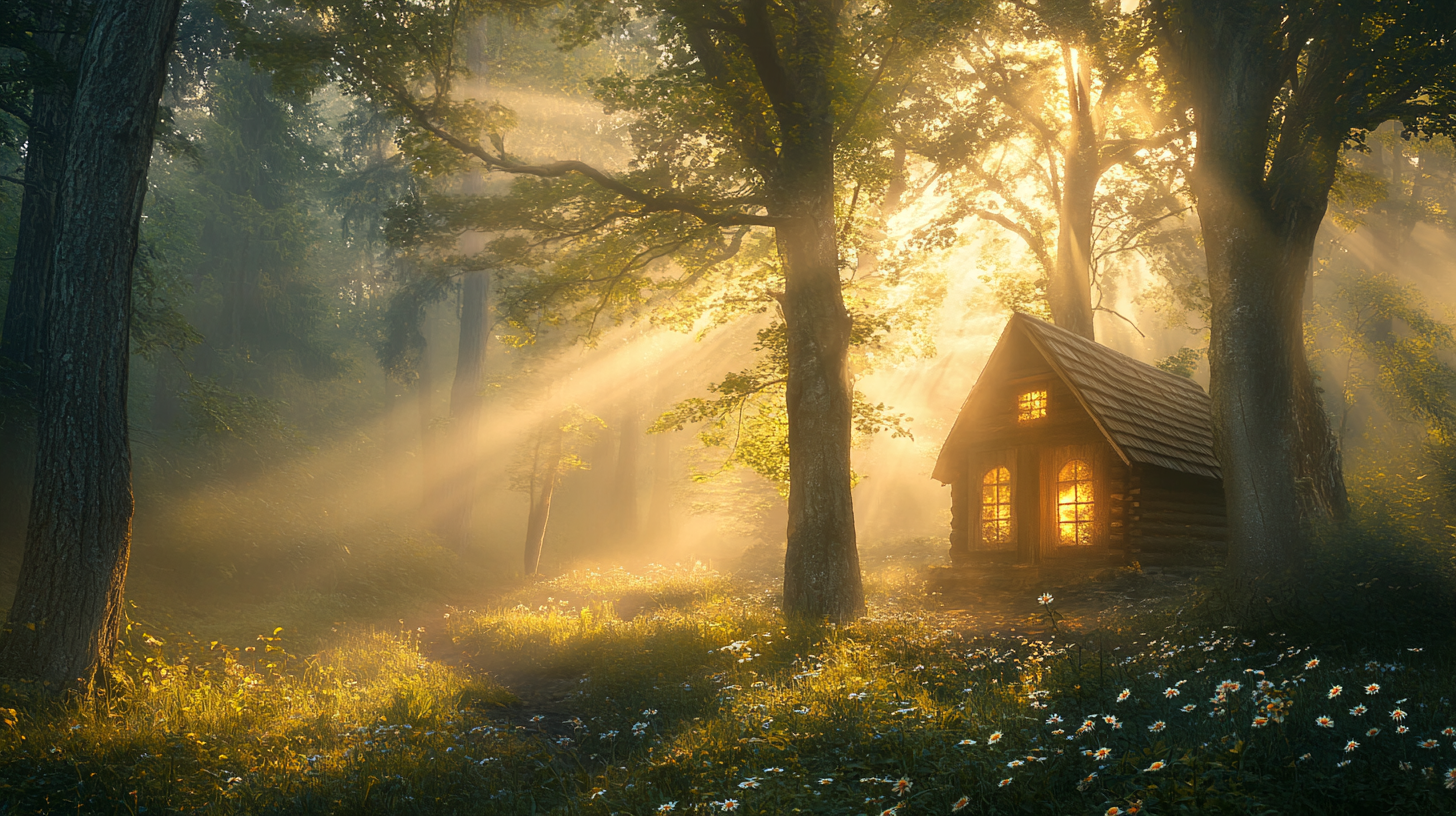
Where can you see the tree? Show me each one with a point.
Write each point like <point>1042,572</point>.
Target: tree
<point>1030,116</point>
<point>552,450</point>
<point>1277,89</point>
<point>53,59</point>
<point>748,120</point>
<point>67,612</point>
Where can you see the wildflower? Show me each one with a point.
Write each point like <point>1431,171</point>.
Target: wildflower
<point>1111,720</point>
<point>1313,663</point>
<point>1324,722</point>
<point>1157,726</point>
<point>638,729</point>
<point>1404,766</point>
<point>960,804</point>
<point>1015,763</point>
<point>1171,692</point>
<point>1335,691</point>
<point>648,712</point>
<point>1448,732</point>
<point>1373,688</point>
<point>1351,746</point>
<point>901,786</point>
<point>1260,722</point>
<point>1372,732</point>
<point>1044,599</point>
<point>667,807</point>
<point>1004,782</point>
<point>1103,753</point>
<point>828,780</point>
<point>538,718</point>
<point>1157,765</point>
<point>890,811</point>
<point>1359,710</point>
<point>1188,708</point>
<point>727,805</point>
<point>1342,763</point>
<point>1123,695</point>
<point>1402,730</point>
<point>1113,811</point>
<point>1397,715</point>
<point>994,738</point>
<point>967,742</point>
<point>1428,743</point>
<point>748,783</point>
<point>1451,779</point>
<point>1229,687</point>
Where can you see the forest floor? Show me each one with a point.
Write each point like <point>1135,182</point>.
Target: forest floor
<point>681,689</point>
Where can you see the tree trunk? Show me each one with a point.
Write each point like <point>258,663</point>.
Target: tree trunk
<point>1069,292</point>
<point>821,566</point>
<point>20,337</point>
<point>625,520</point>
<point>546,468</point>
<point>1279,458</point>
<point>67,612</point>
<point>458,494</point>
<point>424,388</point>
<point>45,152</point>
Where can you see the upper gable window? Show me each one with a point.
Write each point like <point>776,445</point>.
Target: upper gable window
<point>1031,405</point>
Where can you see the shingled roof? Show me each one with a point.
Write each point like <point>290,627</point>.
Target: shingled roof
<point>1148,415</point>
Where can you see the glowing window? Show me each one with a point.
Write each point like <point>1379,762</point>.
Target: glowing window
<point>1074,504</point>
<point>996,506</point>
<point>1031,405</point>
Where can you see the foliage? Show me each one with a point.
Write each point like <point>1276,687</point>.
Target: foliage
<point>746,414</point>
<point>554,447</point>
<point>682,693</point>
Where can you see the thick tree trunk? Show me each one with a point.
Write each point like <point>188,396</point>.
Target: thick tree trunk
<point>1069,292</point>
<point>67,612</point>
<point>20,336</point>
<point>821,566</point>
<point>45,152</point>
<point>1279,458</point>
<point>458,494</point>
<point>547,465</point>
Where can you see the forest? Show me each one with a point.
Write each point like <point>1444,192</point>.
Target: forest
<point>615,407</point>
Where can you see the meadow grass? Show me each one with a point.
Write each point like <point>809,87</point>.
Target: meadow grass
<point>682,690</point>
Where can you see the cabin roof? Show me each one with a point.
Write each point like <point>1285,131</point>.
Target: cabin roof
<point>1149,416</point>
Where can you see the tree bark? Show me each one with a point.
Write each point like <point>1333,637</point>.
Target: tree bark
<point>1069,291</point>
<point>45,152</point>
<point>67,612</point>
<point>821,565</point>
<point>546,470</point>
<point>20,337</point>
<point>1280,461</point>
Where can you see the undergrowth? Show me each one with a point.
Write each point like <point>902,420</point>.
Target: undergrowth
<point>689,694</point>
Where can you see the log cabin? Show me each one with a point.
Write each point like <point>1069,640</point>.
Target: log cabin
<point>1065,447</point>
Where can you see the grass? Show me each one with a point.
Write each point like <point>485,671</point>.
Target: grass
<point>681,690</point>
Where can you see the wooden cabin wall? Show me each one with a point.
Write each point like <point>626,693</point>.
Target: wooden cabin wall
<point>1168,511</point>
<point>961,518</point>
